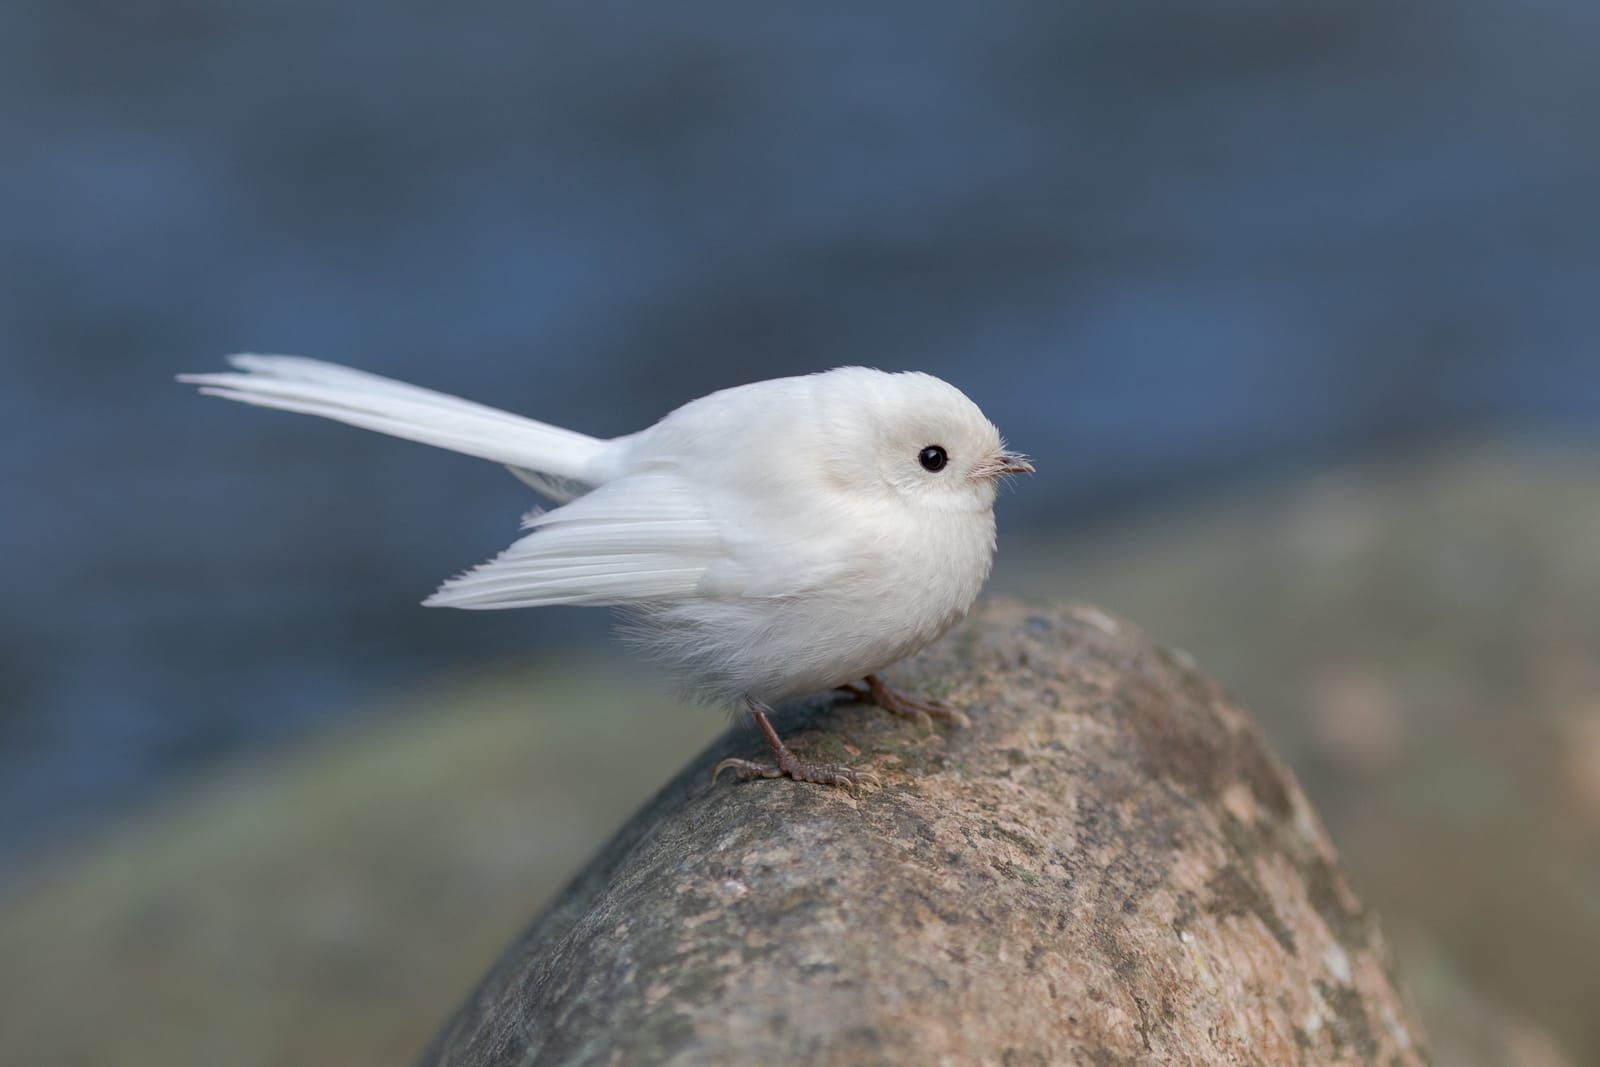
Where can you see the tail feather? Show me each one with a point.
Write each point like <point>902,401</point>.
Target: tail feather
<point>562,463</point>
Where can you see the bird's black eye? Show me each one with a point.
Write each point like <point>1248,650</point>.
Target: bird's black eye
<point>933,458</point>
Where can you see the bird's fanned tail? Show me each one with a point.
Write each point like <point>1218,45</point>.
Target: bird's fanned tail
<point>562,464</point>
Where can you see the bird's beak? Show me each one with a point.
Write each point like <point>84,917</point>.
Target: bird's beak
<point>1003,464</point>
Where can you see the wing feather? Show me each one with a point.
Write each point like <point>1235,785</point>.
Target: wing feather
<point>642,537</point>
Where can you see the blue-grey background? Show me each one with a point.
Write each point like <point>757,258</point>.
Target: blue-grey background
<point>1162,244</point>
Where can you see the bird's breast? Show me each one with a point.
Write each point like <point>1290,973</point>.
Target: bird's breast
<point>823,599</point>
<point>904,585</point>
<point>927,581</point>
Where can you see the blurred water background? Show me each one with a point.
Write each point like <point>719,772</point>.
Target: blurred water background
<point>1165,247</point>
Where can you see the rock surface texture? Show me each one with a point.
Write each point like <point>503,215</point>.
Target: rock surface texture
<point>1107,867</point>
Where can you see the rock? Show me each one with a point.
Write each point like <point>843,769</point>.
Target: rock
<point>1415,631</point>
<point>1108,867</point>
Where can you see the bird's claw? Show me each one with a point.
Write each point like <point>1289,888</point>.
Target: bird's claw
<point>923,712</point>
<point>789,766</point>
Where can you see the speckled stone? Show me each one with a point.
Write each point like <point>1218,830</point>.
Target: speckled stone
<point>1108,867</point>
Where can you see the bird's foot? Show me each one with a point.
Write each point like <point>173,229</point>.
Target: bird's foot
<point>791,766</point>
<point>787,763</point>
<point>878,692</point>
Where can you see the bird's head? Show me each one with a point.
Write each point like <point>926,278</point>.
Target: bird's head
<point>919,436</point>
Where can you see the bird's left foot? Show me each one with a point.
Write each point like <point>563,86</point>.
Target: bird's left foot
<point>787,763</point>
<point>877,691</point>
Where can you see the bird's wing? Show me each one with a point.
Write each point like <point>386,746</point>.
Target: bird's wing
<point>646,536</point>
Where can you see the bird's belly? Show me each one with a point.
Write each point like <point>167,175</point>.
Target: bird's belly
<point>890,604</point>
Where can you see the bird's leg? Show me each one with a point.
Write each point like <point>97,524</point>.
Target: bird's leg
<point>787,762</point>
<point>877,691</point>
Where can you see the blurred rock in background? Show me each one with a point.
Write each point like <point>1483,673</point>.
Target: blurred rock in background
<point>327,904</point>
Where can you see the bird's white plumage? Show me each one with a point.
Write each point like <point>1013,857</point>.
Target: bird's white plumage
<point>765,540</point>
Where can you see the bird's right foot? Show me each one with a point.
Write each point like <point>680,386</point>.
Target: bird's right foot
<point>923,712</point>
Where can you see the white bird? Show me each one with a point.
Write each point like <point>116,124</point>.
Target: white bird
<point>765,541</point>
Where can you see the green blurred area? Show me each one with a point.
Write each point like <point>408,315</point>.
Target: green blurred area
<point>1417,633</point>
<point>329,904</point>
